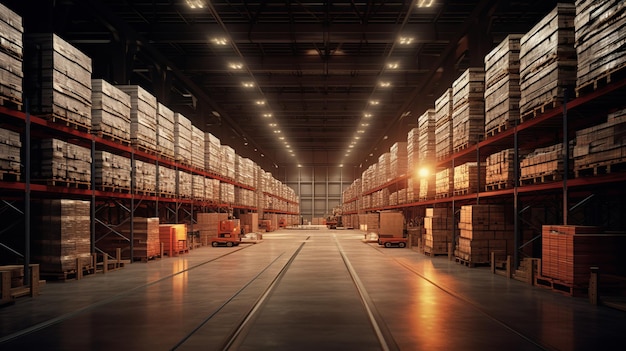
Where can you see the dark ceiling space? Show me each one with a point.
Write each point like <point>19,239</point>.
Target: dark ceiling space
<point>316,65</point>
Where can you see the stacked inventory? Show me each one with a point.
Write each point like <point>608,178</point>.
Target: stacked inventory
<point>61,236</point>
<point>167,181</point>
<point>208,224</point>
<point>212,153</point>
<point>569,251</point>
<point>250,222</point>
<point>244,171</point>
<point>145,178</point>
<point>197,148</point>
<point>438,227</point>
<point>143,118</point>
<point>547,61</point>
<point>212,189</point>
<point>10,151</point>
<point>182,139</point>
<point>600,39</point>
<point>502,90</point>
<point>110,111</point>
<point>57,80</point>
<point>469,178</point>
<point>484,229</point>
<point>543,164</point>
<point>427,154</point>
<point>468,106</point>
<point>601,147</point>
<point>165,131</point>
<point>228,162</point>
<point>391,223</point>
<point>146,242</point>
<point>443,125</point>
<point>398,160</point>
<point>112,172</point>
<point>412,152</point>
<point>245,197</point>
<point>173,237</point>
<point>11,51</point>
<point>383,169</point>
<point>197,187</point>
<point>444,183</point>
<point>56,161</point>
<point>185,189</point>
<point>500,170</point>
<point>227,193</point>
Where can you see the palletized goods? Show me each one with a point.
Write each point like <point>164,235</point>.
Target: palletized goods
<point>143,117</point>
<point>110,111</point>
<point>11,55</point>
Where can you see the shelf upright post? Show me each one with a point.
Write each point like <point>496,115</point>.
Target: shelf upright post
<point>565,157</point>
<point>453,217</point>
<point>27,194</point>
<point>158,186</point>
<point>516,175</point>
<point>93,196</point>
<point>133,187</point>
<point>477,175</point>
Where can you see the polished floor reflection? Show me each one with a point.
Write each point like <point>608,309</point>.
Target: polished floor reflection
<point>305,290</point>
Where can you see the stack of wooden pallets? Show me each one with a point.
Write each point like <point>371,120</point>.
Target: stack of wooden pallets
<point>599,41</point>
<point>58,80</point>
<point>602,148</point>
<point>443,125</point>
<point>468,108</point>
<point>143,118</point>
<point>10,155</point>
<point>110,112</point>
<point>11,57</point>
<point>484,229</point>
<point>438,226</point>
<point>547,61</point>
<point>502,90</point>
<point>174,239</point>
<point>165,131</point>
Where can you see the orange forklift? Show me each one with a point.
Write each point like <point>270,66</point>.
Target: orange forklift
<point>228,234</point>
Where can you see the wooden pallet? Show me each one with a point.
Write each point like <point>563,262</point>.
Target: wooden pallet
<point>604,167</point>
<point>539,110</point>
<point>9,176</point>
<point>11,103</point>
<point>108,136</point>
<point>602,80</point>
<point>542,178</point>
<point>442,196</point>
<point>62,120</point>
<point>559,286</point>
<point>507,184</point>
<point>471,264</point>
<point>499,129</point>
<point>65,183</point>
<point>113,189</point>
<point>144,148</point>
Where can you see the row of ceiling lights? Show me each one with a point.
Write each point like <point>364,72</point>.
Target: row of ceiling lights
<point>384,84</point>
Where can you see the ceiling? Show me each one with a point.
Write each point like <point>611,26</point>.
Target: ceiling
<point>317,66</point>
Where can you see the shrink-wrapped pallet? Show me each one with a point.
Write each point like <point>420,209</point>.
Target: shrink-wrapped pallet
<point>56,162</point>
<point>165,131</point>
<point>212,153</point>
<point>600,40</point>
<point>183,135</point>
<point>113,172</point>
<point>244,171</point>
<point>427,142</point>
<point>61,236</point>
<point>57,80</point>
<point>412,150</point>
<point>502,90</point>
<point>185,189</point>
<point>228,162</point>
<point>143,118</point>
<point>10,155</point>
<point>443,125</point>
<point>227,193</point>
<point>145,178</point>
<point>167,181</point>
<point>11,56</point>
<point>110,111</point>
<point>383,169</point>
<point>547,61</point>
<point>398,159</point>
<point>197,148</point>
<point>468,104</point>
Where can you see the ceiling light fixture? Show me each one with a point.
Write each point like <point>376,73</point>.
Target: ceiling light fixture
<point>374,102</point>
<point>385,84</point>
<point>196,4</point>
<point>405,40</point>
<point>367,115</point>
<point>248,84</point>
<point>220,41</point>
<point>260,102</point>
<point>425,3</point>
<point>235,65</point>
<point>393,65</point>
<point>267,115</point>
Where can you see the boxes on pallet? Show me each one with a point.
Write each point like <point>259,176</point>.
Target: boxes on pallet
<point>143,117</point>
<point>57,79</point>
<point>412,151</point>
<point>110,111</point>
<point>208,225</point>
<point>600,39</point>
<point>228,162</point>
<point>182,139</point>
<point>500,170</point>
<point>58,161</point>
<point>469,178</point>
<point>398,159</point>
<point>443,125</point>
<point>112,172</point>
<point>484,229</point>
<point>10,155</point>
<point>197,187</point>
<point>502,90</point>
<point>165,131</point>
<point>227,193</point>
<point>427,142</point>
<point>212,153</point>
<point>184,180</point>
<point>444,182</point>
<point>61,236</point>
<point>547,60</point>
<point>391,223</point>
<point>438,224</point>
<point>197,148</point>
<point>145,236</point>
<point>11,55</point>
<point>468,104</point>
<point>602,147</point>
<point>569,251</point>
<point>543,164</point>
<point>174,238</point>
<point>167,181</point>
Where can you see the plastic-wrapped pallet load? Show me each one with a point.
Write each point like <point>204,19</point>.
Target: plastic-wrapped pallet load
<point>443,125</point>
<point>228,162</point>
<point>468,108</point>
<point>56,162</point>
<point>143,118</point>
<point>165,131</point>
<point>11,56</point>
<point>197,148</point>
<point>600,39</point>
<point>145,178</point>
<point>57,80</point>
<point>383,171</point>
<point>110,111</point>
<point>227,193</point>
<point>185,190</point>
<point>547,61</point>
<point>398,159</point>
<point>61,239</point>
<point>167,181</point>
<point>10,155</point>
<point>212,153</point>
<point>502,90</point>
<point>182,139</point>
<point>112,172</point>
<point>198,192</point>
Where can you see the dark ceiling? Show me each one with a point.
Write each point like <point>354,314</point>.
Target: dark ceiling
<point>317,65</point>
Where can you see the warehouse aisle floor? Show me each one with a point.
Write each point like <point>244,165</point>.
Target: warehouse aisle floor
<point>313,290</point>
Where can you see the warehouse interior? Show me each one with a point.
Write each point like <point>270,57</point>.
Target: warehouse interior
<point>485,134</point>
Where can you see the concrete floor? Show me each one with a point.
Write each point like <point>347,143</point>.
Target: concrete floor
<point>305,290</point>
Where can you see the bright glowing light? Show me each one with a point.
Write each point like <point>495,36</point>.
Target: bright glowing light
<point>385,84</point>
<point>425,3</point>
<point>374,102</point>
<point>196,4</point>
<point>235,65</point>
<point>267,115</point>
<point>423,172</point>
<point>260,102</point>
<point>248,84</point>
<point>220,41</point>
<point>406,40</point>
<point>367,115</point>
<point>393,65</point>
